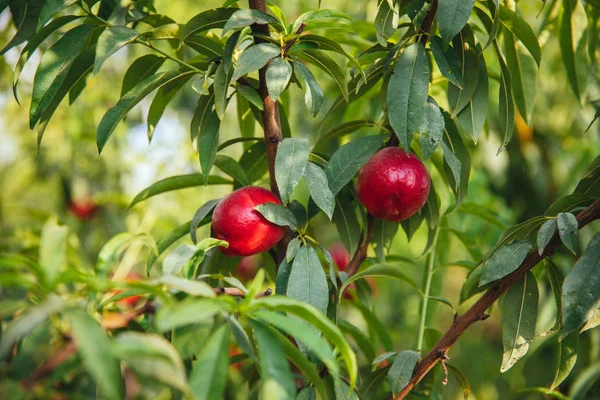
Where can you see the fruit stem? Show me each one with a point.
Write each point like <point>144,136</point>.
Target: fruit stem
<point>427,289</point>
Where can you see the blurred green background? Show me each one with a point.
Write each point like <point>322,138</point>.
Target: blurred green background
<point>543,162</point>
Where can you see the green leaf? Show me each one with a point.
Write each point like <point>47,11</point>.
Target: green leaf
<point>581,289</point>
<point>194,288</point>
<point>277,379</point>
<point>27,322</point>
<point>345,163</point>
<point>254,58</point>
<point>344,129</point>
<point>466,51</point>
<point>209,47</point>
<point>152,357</point>
<point>139,70</point>
<point>290,164</point>
<point>232,168</point>
<point>518,320</point>
<point>343,391</point>
<point>291,251</point>
<point>189,311</point>
<point>318,320</point>
<point>165,242</point>
<point>447,61</point>
<point>34,42</point>
<point>95,350</point>
<point>346,222</point>
<point>200,214</point>
<point>504,261</point>
<point>283,276</point>
<point>364,343</point>
<point>521,29</point>
<point>566,359</point>
<point>307,281</point>
<point>277,214</point>
<point>545,392</point>
<point>202,113</point>
<point>254,161</point>
<point>462,379</point>
<point>304,334</point>
<point>176,183</point>
<point>472,117</point>
<point>407,93</point>
<point>584,382</point>
<point>452,16</point>
<point>278,76</point>
<point>108,256</point>
<point>567,230</point>
<point>222,78</point>
<point>402,369</point>
<point>209,372</point>
<point>590,182</point>
<point>386,22</point>
<point>163,96</point>
<point>324,43</point>
<point>483,213</point>
<point>251,95</point>
<point>241,337</point>
<point>571,37</point>
<point>431,129</point>
<point>215,18</point>
<point>545,234</point>
<point>308,393</point>
<point>374,323</point>
<point>112,39</point>
<point>318,187</point>
<point>247,17</point>
<point>568,203</point>
<point>523,72</point>
<point>381,270</point>
<point>382,237</point>
<point>54,67</point>
<point>556,279</point>
<point>327,64</point>
<point>53,250</point>
<point>457,161</point>
<point>115,114</point>
<point>316,15</point>
<point>208,143</point>
<point>25,15</point>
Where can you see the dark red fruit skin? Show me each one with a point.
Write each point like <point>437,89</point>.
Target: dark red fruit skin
<point>83,210</point>
<point>246,230</point>
<point>393,185</point>
<point>340,256</point>
<point>246,269</point>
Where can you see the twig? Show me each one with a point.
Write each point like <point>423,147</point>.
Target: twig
<point>428,22</point>
<point>290,43</point>
<point>50,365</point>
<point>361,252</point>
<point>477,311</point>
<point>235,292</point>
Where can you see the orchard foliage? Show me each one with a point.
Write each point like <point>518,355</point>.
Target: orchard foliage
<point>434,75</point>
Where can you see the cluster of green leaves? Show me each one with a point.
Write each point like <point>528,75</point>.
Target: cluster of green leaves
<point>218,53</point>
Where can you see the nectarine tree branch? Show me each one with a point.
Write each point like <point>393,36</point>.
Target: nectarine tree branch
<point>235,292</point>
<point>477,311</point>
<point>361,252</point>
<point>428,22</point>
<point>47,367</point>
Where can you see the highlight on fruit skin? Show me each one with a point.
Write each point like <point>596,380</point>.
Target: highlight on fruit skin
<point>393,185</point>
<point>245,229</point>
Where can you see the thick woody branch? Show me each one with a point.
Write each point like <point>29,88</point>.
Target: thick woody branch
<point>478,311</point>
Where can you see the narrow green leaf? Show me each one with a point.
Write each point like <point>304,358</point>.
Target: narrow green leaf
<point>382,237</point>
<point>447,61</point>
<point>521,29</point>
<point>327,44</point>
<point>452,16</point>
<point>567,358</point>
<point>189,311</point>
<point>161,100</point>
<point>483,213</point>
<point>572,25</point>
<point>402,370</point>
<point>518,320</point>
<point>312,16</point>
<point>345,163</point>
<point>567,229</point>
<point>215,18</point>
<point>278,76</point>
<point>283,276</point>
<point>407,93</point>
<point>254,161</point>
<point>208,143</point>
<point>247,17</point>
<point>251,95</point>
<point>381,270</point>
<point>545,234</point>
<point>176,183</point>
<point>462,379</point>
<point>504,261</point>
<point>431,130</point>
<point>26,15</point>
<point>386,22</point>
<point>53,250</point>
<point>165,242</point>
<point>523,72</point>
<point>290,165</point>
<point>222,78</point>
<point>200,214</point>
<point>115,114</point>
<point>232,168</point>
<point>466,51</point>
<point>307,281</point>
<point>313,97</point>
<point>346,221</point>
<point>292,250</point>
<point>584,382</point>
<point>209,372</point>
<point>139,70</point>
<point>345,129</point>
<point>545,392</point>
<point>254,58</point>
<point>277,214</point>
<point>110,41</point>
<point>327,64</point>
<point>208,46</point>
<point>590,182</point>
<point>472,117</point>
<point>457,161</point>
<point>277,380</point>
<point>318,187</point>
<point>27,322</point>
<point>95,350</point>
<point>202,113</point>
<point>53,69</point>
<point>581,289</point>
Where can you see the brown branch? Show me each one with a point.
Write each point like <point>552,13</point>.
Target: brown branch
<point>428,22</point>
<point>361,252</point>
<point>235,292</point>
<point>50,365</point>
<point>477,311</point>
<point>290,43</point>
